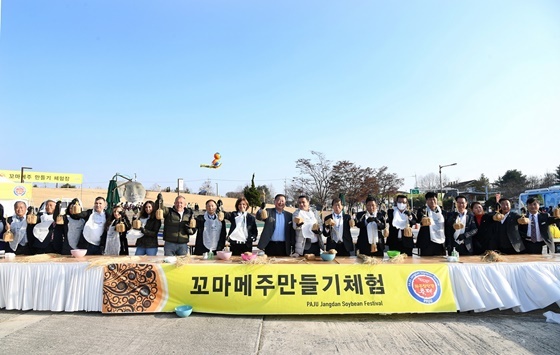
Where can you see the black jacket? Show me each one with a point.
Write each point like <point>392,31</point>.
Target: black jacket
<point>251,226</point>
<point>392,240</point>
<point>363,244</point>
<point>199,247</point>
<point>346,234</point>
<point>467,237</point>
<point>150,231</point>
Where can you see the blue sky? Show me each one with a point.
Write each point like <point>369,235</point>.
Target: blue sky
<point>154,88</point>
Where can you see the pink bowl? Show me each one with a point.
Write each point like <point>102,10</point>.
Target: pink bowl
<point>224,255</point>
<point>248,257</point>
<point>78,253</point>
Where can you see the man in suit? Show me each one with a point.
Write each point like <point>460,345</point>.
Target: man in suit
<point>506,238</point>
<point>431,238</point>
<point>460,238</point>
<point>337,230</point>
<point>535,234</point>
<point>277,237</point>
<point>371,223</point>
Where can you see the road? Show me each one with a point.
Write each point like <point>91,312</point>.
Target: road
<point>495,332</point>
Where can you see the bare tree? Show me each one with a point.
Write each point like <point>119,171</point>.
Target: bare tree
<point>348,178</point>
<point>534,182</point>
<point>539,182</point>
<point>314,178</point>
<point>207,186</point>
<point>549,179</point>
<point>430,182</point>
<point>388,183</point>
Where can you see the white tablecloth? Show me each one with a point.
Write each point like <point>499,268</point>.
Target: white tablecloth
<point>51,286</point>
<point>70,287</point>
<point>521,286</point>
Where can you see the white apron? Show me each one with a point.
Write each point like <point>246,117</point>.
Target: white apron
<point>93,229</point>
<point>400,221</point>
<point>240,232</point>
<point>19,229</point>
<point>211,233</point>
<point>437,229</point>
<point>113,243</point>
<point>371,228</point>
<point>75,228</point>
<point>41,229</point>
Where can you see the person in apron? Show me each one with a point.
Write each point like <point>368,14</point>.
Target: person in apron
<point>243,231</point>
<point>211,232</point>
<point>94,226</point>
<point>18,225</point>
<point>113,241</point>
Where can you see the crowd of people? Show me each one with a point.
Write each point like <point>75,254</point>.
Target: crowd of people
<point>469,230</point>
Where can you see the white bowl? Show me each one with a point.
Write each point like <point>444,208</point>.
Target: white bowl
<point>78,253</point>
<point>10,256</point>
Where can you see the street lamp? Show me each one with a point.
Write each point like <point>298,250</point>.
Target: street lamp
<point>22,169</point>
<point>415,188</point>
<point>440,183</point>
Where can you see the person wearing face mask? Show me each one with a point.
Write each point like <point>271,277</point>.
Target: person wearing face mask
<point>506,238</point>
<point>460,227</point>
<point>210,231</point>
<point>243,230</point>
<point>371,223</point>
<point>399,218</point>
<point>431,238</point>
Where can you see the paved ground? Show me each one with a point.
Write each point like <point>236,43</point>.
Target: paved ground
<point>495,332</point>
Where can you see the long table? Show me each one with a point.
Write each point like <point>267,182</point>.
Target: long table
<point>279,286</point>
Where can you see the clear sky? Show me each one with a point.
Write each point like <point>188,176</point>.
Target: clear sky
<point>155,88</point>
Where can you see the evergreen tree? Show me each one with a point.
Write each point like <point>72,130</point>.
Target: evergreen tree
<point>252,194</point>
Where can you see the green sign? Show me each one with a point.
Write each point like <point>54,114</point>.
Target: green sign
<point>414,191</point>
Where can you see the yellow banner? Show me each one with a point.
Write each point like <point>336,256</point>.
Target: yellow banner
<point>37,176</point>
<point>309,289</point>
<point>13,191</point>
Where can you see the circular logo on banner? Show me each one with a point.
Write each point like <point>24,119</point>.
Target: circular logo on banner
<point>19,190</point>
<point>424,287</point>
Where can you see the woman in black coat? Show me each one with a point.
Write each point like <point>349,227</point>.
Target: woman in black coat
<point>243,230</point>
